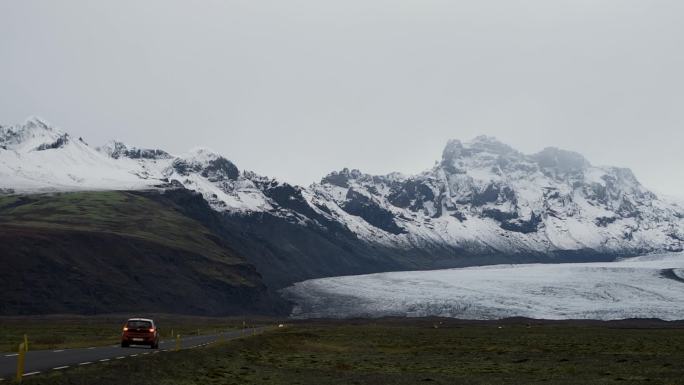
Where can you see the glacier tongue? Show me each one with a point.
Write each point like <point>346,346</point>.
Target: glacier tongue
<point>642,287</point>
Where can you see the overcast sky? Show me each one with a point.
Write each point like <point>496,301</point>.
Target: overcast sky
<point>296,89</point>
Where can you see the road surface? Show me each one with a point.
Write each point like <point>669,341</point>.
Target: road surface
<point>41,361</point>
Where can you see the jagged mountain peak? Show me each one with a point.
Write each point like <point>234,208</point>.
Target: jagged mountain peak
<point>35,134</point>
<point>342,178</point>
<point>490,144</point>
<point>35,122</point>
<point>207,163</point>
<point>200,153</point>
<point>346,177</point>
<point>480,145</point>
<point>563,160</point>
<point>113,148</point>
<point>452,150</point>
<point>33,126</point>
<point>116,150</point>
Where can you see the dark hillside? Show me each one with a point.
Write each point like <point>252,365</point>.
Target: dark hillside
<point>285,252</point>
<point>95,252</point>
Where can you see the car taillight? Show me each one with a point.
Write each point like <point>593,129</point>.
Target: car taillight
<point>125,328</point>
<point>152,330</point>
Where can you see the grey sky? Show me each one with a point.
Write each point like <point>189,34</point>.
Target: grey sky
<point>295,89</point>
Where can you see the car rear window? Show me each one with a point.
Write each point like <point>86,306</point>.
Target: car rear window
<point>139,324</point>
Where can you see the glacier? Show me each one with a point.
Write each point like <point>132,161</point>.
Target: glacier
<point>650,286</point>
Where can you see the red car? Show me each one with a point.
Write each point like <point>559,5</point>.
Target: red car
<point>140,331</point>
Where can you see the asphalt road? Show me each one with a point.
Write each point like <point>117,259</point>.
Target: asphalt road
<point>41,361</point>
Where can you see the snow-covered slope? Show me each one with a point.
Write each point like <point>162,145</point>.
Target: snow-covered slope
<point>482,198</point>
<point>642,287</point>
<point>35,157</point>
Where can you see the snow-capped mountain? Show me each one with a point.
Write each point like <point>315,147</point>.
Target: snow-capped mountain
<point>36,157</point>
<point>483,197</point>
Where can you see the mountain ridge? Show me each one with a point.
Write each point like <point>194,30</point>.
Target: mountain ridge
<point>482,198</point>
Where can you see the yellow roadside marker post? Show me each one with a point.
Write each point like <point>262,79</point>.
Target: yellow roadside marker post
<point>198,331</point>
<point>171,333</point>
<point>20,362</point>
<point>178,342</point>
<point>26,342</point>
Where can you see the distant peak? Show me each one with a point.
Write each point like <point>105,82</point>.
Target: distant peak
<point>112,147</point>
<point>207,163</point>
<point>341,178</point>
<point>203,153</point>
<point>116,150</point>
<point>37,122</point>
<point>455,149</point>
<point>490,144</point>
<point>484,139</point>
<point>452,150</point>
<point>563,160</point>
<point>34,134</point>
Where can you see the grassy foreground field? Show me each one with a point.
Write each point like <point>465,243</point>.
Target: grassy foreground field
<point>59,332</point>
<point>414,352</point>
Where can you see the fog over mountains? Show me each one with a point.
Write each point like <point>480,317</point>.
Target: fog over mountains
<point>481,202</point>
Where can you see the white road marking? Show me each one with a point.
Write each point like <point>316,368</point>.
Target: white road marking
<point>60,367</point>
<point>11,355</point>
<point>146,353</point>
<point>58,351</point>
<point>133,355</point>
<point>85,363</point>
<point>91,348</point>
<point>30,373</point>
<point>120,357</point>
<point>104,360</point>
